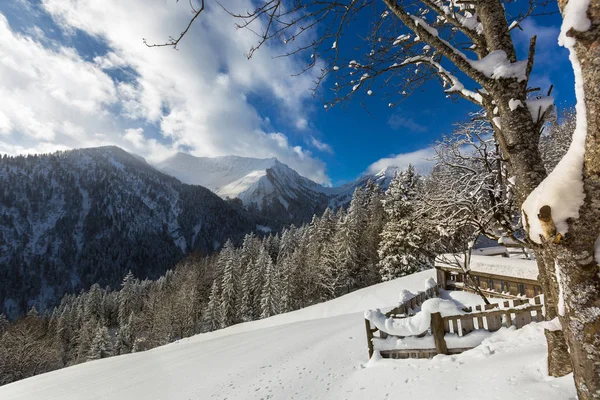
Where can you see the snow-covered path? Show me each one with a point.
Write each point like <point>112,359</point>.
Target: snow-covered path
<point>295,357</point>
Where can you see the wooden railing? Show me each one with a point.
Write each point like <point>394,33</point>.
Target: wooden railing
<point>490,317</point>
<point>402,311</point>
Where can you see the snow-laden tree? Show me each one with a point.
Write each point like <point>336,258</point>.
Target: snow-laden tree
<point>286,268</point>
<point>351,244</point>
<point>128,298</point>
<point>229,259</point>
<point>212,313</point>
<point>125,337</point>
<point>469,186</point>
<point>101,346</point>
<point>376,219</point>
<point>557,137</point>
<point>403,247</point>
<point>269,298</point>
<point>93,304</point>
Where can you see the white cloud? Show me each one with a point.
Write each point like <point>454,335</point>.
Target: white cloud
<point>420,159</point>
<point>398,122</point>
<point>321,145</point>
<point>197,97</point>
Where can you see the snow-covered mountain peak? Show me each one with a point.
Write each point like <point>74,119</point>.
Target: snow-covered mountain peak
<point>217,173</point>
<point>387,172</point>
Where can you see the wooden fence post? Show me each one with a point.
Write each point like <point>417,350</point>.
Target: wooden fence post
<point>369,337</point>
<point>437,330</point>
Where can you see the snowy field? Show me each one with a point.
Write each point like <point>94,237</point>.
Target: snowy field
<point>314,353</point>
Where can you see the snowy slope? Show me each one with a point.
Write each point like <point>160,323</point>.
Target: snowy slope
<point>314,353</point>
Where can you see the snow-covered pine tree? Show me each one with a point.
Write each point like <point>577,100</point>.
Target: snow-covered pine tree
<point>249,282</point>
<point>85,335</point>
<point>125,338</point>
<point>286,268</point>
<point>351,243</point>
<point>127,298</point>
<point>329,275</point>
<point>101,346</point>
<point>401,250</point>
<point>93,304</point>
<point>212,313</point>
<point>269,300</point>
<point>376,219</point>
<point>229,295</point>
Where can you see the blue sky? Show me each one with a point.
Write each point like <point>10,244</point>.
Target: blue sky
<point>74,73</point>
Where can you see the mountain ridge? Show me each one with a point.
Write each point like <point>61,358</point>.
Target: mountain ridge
<point>259,182</point>
<point>78,217</point>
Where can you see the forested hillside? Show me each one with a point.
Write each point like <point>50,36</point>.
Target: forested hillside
<point>72,219</point>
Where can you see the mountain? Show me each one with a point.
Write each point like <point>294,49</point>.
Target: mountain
<point>318,352</point>
<point>272,189</point>
<point>74,218</point>
<point>341,196</point>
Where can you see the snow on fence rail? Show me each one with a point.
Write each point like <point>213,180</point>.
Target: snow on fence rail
<point>449,334</point>
<point>403,310</point>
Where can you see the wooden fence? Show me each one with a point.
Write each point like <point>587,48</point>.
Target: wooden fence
<point>403,310</point>
<point>490,317</point>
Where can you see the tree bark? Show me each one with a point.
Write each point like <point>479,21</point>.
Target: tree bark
<point>519,138</point>
<point>559,361</point>
<point>575,255</point>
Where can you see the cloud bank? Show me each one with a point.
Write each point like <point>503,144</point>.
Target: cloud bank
<point>151,101</point>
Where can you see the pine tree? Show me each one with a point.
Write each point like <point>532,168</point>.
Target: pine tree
<point>84,340</point>
<point>101,346</point>
<point>376,219</point>
<point>93,304</point>
<point>3,324</point>
<point>125,338</point>
<point>228,304</point>
<point>127,298</point>
<point>212,314</point>
<point>403,244</point>
<point>269,295</point>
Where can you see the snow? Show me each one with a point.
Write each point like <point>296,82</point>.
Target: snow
<point>537,107</point>
<point>561,296</point>
<point>400,39</point>
<point>334,45</point>
<point>405,295</point>
<point>427,342</point>
<point>562,189</point>
<point>430,283</point>
<point>417,324</point>
<point>496,65</point>
<point>513,104</point>
<point>496,121</point>
<point>301,356</point>
<point>513,267</point>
